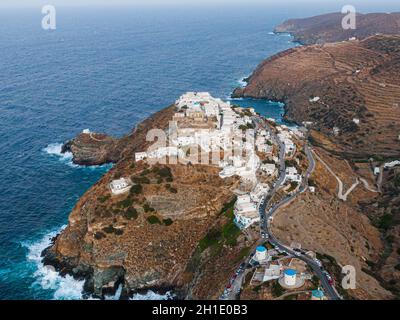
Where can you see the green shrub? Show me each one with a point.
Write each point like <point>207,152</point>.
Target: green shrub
<point>153,220</point>
<point>173,190</point>
<point>277,290</point>
<point>168,222</point>
<point>147,208</point>
<point>103,199</point>
<point>131,213</point>
<point>141,180</point>
<point>109,229</point>
<point>386,221</point>
<point>118,232</point>
<point>165,172</point>
<point>136,189</point>
<point>125,203</point>
<point>211,238</point>
<point>99,235</point>
<point>231,232</point>
<point>293,186</point>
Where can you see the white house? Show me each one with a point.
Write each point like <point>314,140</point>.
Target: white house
<point>265,148</point>
<point>259,192</point>
<point>120,186</point>
<point>269,169</point>
<point>227,172</point>
<point>392,164</point>
<point>272,272</point>
<point>166,151</point>
<point>246,212</point>
<point>292,175</point>
<point>139,156</point>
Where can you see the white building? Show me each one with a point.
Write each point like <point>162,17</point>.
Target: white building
<point>269,169</point>
<point>120,186</point>
<point>261,254</point>
<point>292,175</point>
<point>139,156</point>
<point>392,164</point>
<point>246,212</point>
<point>259,192</point>
<point>228,171</point>
<point>272,272</point>
<point>166,152</point>
<point>315,99</point>
<point>289,277</point>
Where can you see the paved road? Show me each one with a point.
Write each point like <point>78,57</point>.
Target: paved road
<point>266,217</point>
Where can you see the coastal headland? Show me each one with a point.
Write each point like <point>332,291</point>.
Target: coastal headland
<point>188,227</point>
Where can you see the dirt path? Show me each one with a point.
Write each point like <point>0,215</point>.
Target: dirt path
<point>341,195</point>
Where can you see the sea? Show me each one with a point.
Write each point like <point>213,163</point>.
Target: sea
<point>103,69</point>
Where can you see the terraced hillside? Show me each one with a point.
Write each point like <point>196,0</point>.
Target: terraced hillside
<point>350,91</point>
<point>328,27</point>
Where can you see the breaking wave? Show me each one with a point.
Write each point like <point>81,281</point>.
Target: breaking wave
<point>46,278</point>
<point>151,295</point>
<point>54,149</point>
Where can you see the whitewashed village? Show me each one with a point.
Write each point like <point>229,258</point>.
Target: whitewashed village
<point>250,151</point>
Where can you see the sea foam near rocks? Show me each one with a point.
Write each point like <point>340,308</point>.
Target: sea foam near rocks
<point>54,149</point>
<point>63,288</point>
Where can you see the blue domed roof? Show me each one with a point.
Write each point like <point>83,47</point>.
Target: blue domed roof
<point>261,249</point>
<point>290,272</point>
<point>318,294</point>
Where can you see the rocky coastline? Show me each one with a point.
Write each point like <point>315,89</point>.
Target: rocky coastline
<point>149,239</point>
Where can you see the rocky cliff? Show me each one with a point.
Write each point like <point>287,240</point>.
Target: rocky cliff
<point>173,230</point>
<point>328,27</point>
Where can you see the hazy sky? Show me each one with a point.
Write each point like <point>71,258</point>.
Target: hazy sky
<point>34,3</point>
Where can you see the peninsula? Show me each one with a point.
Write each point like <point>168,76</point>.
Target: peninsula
<point>213,201</point>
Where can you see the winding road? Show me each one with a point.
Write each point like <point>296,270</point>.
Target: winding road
<point>267,215</point>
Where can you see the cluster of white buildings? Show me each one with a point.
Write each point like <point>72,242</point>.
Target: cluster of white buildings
<point>160,153</point>
<point>286,137</point>
<point>226,134</point>
<point>263,141</point>
<point>246,206</point>
<point>269,169</point>
<point>292,175</point>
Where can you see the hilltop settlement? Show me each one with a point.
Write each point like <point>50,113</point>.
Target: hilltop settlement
<point>210,200</point>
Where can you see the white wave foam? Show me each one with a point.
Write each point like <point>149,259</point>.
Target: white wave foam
<point>67,288</point>
<point>151,295</point>
<point>63,288</point>
<point>242,81</point>
<point>271,33</point>
<point>54,149</point>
